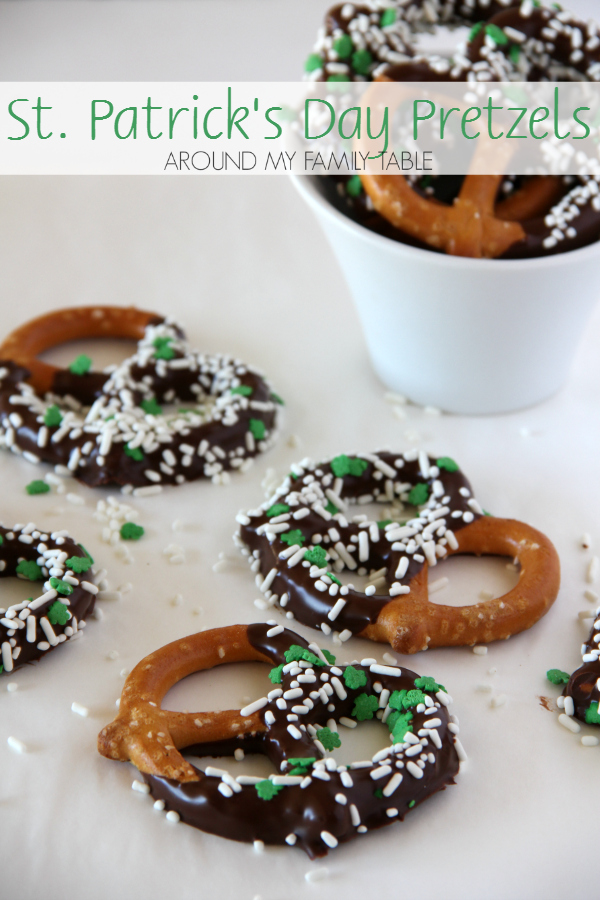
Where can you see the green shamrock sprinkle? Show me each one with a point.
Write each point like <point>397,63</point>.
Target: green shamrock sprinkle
<point>330,739</point>
<point>592,714</point>
<point>343,46</point>
<point>52,416</point>
<point>418,495</point>
<point>81,365</point>
<point>151,407</point>
<point>78,564</point>
<point>134,452</point>
<point>1,540</point>
<point>496,34</point>
<point>266,790</point>
<point>388,17</point>
<point>276,674</point>
<point>131,532</point>
<point>515,54</point>
<point>296,653</point>
<point>343,465</point>
<point>244,390</point>
<point>361,61</point>
<point>557,676</point>
<point>411,804</point>
<point>313,63</point>
<point>427,683</point>
<point>258,428</point>
<point>406,699</point>
<point>385,522</point>
<point>277,399</point>
<point>475,30</point>
<point>399,725</point>
<point>30,570</point>
<point>334,578</point>
<point>58,614</point>
<point>331,508</point>
<point>301,764</point>
<point>354,186</point>
<point>317,556</point>
<point>37,487</point>
<point>63,587</point>
<point>163,349</point>
<point>378,792</point>
<point>365,706</point>
<point>354,678</point>
<point>328,656</point>
<point>447,463</point>
<point>278,509</point>
<point>292,537</point>
<point>89,555</point>
<point>1,669</point>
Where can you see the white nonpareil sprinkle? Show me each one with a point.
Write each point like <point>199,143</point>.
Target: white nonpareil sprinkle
<point>319,874</point>
<point>140,786</point>
<point>16,745</point>
<point>480,651</point>
<point>592,570</point>
<point>173,816</point>
<point>259,846</point>
<point>590,741</point>
<point>569,723</point>
<point>79,709</point>
<point>499,700</point>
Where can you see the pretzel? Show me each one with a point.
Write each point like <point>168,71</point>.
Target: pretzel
<point>35,627</point>
<point>376,41</point>
<point>300,541</point>
<point>314,803</point>
<point>109,427</point>
<point>581,692</point>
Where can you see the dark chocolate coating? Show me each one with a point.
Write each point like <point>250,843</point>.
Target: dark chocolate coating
<point>583,684</point>
<point>306,812</point>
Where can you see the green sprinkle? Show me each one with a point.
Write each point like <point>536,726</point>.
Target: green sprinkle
<point>37,487</point>
<point>406,699</point>
<point>475,30</point>
<point>275,675</point>
<point>292,537</point>
<point>89,555</point>
<point>418,495</point>
<point>295,653</point>
<point>411,804</point>
<point>258,428</point>
<point>496,34</point>
<point>557,676</point>
<point>361,61</point>
<point>343,46</point>
<point>134,452</point>
<point>334,578</point>
<point>151,407</point>
<point>365,706</point>
<point>244,390</point>
<point>277,399</point>
<point>266,790</point>
<point>52,416</point>
<point>354,678</point>
<point>486,513</point>
<point>344,465</point>
<point>163,349</point>
<point>399,724</point>
<point>384,523</point>
<point>429,684</point>
<point>58,614</point>
<point>515,54</point>
<point>131,532</point>
<point>331,508</point>
<point>278,509</point>
<point>425,181</point>
<point>313,63</point>
<point>333,78</point>
<point>30,570</point>
<point>317,556</point>
<point>378,792</point>
<point>354,186</point>
<point>388,17</point>
<point>592,714</point>
<point>78,564</point>
<point>1,540</point>
<point>447,463</point>
<point>1,669</point>
<point>63,587</point>
<point>328,656</point>
<point>81,365</point>
<point>330,739</point>
<point>301,764</point>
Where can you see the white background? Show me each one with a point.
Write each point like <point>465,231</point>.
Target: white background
<point>242,264</point>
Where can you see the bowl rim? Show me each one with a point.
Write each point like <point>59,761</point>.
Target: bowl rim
<point>306,187</point>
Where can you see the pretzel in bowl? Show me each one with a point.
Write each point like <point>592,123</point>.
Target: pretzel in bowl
<point>109,427</point>
<point>300,541</point>
<point>314,803</point>
<point>487,216</point>
<point>64,593</point>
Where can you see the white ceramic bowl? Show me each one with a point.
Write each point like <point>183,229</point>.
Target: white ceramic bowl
<point>467,335</point>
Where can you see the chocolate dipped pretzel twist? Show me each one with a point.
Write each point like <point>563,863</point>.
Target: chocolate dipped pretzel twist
<point>110,428</point>
<point>310,531</point>
<point>314,803</point>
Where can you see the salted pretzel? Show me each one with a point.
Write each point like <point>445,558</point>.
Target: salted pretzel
<point>63,588</point>
<point>508,41</point>
<point>300,541</point>
<point>109,427</point>
<point>581,693</point>
<point>312,802</point>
